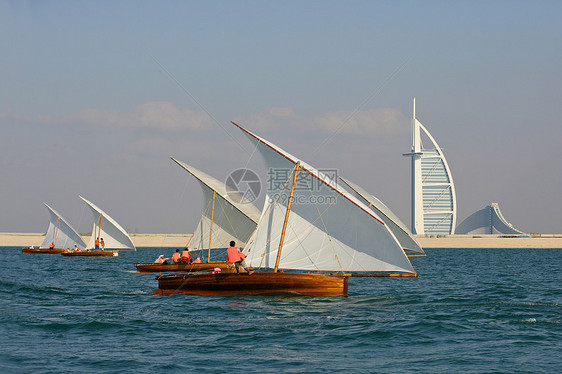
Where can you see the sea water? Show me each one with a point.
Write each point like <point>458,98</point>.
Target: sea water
<point>470,311</point>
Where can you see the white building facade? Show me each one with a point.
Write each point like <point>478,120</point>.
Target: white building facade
<point>434,202</point>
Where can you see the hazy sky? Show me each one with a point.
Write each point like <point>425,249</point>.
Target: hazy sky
<point>95,97</point>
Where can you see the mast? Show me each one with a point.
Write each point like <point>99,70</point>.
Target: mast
<point>56,232</point>
<point>99,230</point>
<point>289,203</point>
<point>212,219</point>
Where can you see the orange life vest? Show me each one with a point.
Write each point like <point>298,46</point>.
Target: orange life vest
<point>232,254</point>
<point>97,242</point>
<point>176,257</point>
<point>160,260</point>
<point>51,246</point>
<point>185,253</point>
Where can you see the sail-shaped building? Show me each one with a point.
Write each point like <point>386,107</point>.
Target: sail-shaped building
<point>434,205</point>
<point>488,220</point>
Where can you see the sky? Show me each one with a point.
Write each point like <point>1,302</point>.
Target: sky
<point>95,97</point>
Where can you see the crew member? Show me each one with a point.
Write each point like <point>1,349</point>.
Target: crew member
<point>176,257</point>
<point>186,256</point>
<point>233,255</point>
<point>97,244</point>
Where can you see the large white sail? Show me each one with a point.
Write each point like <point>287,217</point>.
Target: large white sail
<point>404,236</point>
<point>328,229</point>
<point>114,236</point>
<point>60,233</point>
<point>232,217</point>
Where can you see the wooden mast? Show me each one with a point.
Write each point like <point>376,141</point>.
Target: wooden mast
<point>212,219</point>
<point>56,232</point>
<point>289,203</point>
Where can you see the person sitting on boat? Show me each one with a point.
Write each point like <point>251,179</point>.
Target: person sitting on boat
<point>233,255</point>
<point>159,260</point>
<point>102,244</point>
<point>176,258</point>
<point>76,249</point>
<point>197,260</point>
<point>97,244</point>
<point>186,256</point>
<point>52,245</point>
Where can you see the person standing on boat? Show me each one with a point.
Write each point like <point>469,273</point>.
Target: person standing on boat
<point>176,258</point>
<point>102,244</point>
<point>233,255</point>
<point>186,256</point>
<point>97,244</point>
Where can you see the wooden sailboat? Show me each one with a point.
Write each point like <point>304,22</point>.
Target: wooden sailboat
<point>407,240</point>
<point>60,233</point>
<point>308,243</point>
<point>226,216</point>
<point>106,229</point>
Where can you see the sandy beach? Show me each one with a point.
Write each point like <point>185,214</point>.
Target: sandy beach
<point>427,241</point>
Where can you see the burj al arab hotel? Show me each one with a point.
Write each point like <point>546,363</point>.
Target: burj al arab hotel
<point>434,202</point>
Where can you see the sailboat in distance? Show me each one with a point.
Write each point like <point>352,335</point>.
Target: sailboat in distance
<point>226,216</point>
<point>411,245</point>
<point>59,233</point>
<point>311,236</point>
<point>105,229</point>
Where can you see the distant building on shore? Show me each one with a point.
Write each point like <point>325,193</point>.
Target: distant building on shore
<point>488,220</point>
<point>434,202</point>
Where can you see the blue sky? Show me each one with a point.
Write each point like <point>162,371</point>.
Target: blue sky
<point>96,96</point>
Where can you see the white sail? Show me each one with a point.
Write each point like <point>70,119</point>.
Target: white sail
<point>404,236</point>
<point>114,236</point>
<point>60,233</point>
<point>328,228</point>
<point>233,218</point>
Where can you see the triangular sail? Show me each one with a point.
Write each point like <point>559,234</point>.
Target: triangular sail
<point>231,216</point>
<point>328,228</point>
<point>60,233</point>
<point>404,236</point>
<point>114,236</point>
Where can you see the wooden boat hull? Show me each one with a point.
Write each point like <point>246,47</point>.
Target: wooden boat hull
<point>155,268</point>
<point>92,253</point>
<point>54,251</point>
<point>255,284</point>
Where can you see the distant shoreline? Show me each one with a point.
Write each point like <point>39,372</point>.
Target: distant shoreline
<point>8,239</point>
<point>489,241</point>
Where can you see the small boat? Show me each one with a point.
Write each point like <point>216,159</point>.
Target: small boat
<point>308,241</point>
<point>60,233</point>
<point>308,284</point>
<point>205,266</point>
<point>107,230</point>
<point>226,216</point>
